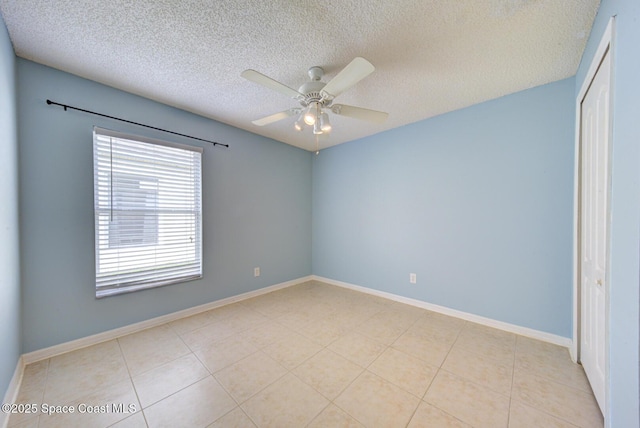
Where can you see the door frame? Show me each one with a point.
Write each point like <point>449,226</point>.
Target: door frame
<point>606,45</point>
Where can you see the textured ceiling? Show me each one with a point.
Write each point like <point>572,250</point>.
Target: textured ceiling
<point>431,56</point>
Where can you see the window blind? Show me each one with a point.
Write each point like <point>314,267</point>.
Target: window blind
<point>148,212</point>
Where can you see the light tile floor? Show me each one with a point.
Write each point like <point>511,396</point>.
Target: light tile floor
<point>312,355</point>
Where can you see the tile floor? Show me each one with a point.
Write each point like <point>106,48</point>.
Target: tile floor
<point>312,355</point>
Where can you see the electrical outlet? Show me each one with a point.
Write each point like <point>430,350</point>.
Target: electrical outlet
<point>256,271</point>
<point>412,278</point>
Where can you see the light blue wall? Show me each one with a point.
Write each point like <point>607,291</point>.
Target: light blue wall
<point>9,245</point>
<point>624,317</point>
<point>256,195</point>
<point>477,202</point>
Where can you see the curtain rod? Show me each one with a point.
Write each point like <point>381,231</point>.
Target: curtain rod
<point>134,123</point>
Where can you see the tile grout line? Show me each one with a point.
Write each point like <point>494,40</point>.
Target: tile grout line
<point>547,379</point>
<point>135,390</point>
<point>142,408</point>
<point>364,369</point>
<point>291,371</point>
<point>439,369</point>
<point>513,375</point>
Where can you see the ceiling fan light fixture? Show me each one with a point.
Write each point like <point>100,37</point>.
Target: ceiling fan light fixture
<point>325,125</point>
<point>299,123</point>
<point>316,128</point>
<point>310,115</point>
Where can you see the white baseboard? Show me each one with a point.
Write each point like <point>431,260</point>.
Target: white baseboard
<point>512,328</point>
<point>11,395</point>
<point>62,348</point>
<point>52,351</point>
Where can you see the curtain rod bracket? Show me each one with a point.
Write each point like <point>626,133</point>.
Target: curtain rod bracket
<point>65,106</point>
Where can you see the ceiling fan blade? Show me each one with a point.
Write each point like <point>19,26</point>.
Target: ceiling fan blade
<point>360,113</point>
<point>276,117</point>
<point>357,70</point>
<point>268,82</point>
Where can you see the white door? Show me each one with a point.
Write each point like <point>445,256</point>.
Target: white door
<point>594,209</point>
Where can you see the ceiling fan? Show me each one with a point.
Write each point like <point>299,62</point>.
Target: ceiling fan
<point>316,97</point>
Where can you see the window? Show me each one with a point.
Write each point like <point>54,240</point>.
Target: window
<point>134,221</point>
<point>148,212</point>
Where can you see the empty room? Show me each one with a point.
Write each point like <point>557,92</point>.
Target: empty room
<point>320,214</point>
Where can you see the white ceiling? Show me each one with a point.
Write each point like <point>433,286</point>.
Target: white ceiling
<point>431,56</point>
